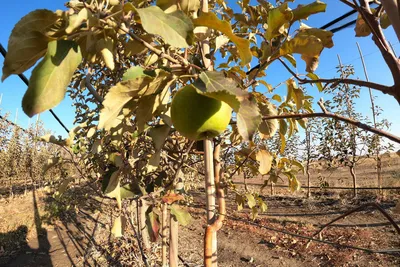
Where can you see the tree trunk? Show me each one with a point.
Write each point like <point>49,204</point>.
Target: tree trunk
<point>143,206</point>
<point>210,195</point>
<point>164,227</point>
<point>308,181</point>
<point>210,257</point>
<point>353,174</point>
<point>245,181</point>
<point>272,189</point>
<point>379,173</point>
<point>173,241</point>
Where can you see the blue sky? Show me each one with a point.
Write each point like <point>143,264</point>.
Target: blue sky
<point>13,88</point>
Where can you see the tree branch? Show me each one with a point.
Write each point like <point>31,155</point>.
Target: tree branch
<point>390,90</point>
<point>361,125</point>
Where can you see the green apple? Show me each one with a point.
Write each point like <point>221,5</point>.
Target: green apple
<point>198,117</point>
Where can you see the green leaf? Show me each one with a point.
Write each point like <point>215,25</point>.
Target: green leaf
<point>50,78</point>
<point>214,84</point>
<point>211,20</point>
<point>175,28</point>
<point>119,95</point>
<point>278,21</point>
<point>127,191</point>
<point>384,20</point>
<point>28,41</point>
<point>313,76</point>
<point>268,128</point>
<point>133,47</point>
<point>136,72</point>
<point>264,159</point>
<point>181,215</point>
<point>153,224</point>
<point>248,118</point>
<point>304,11</point>
<point>159,134</point>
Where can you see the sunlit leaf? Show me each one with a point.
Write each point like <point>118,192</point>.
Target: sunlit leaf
<point>172,197</point>
<point>106,48</point>
<point>181,215</point>
<point>308,46</point>
<point>210,20</point>
<point>251,201</point>
<point>264,159</point>
<point>314,76</point>
<point>28,41</point>
<point>50,78</point>
<point>278,21</point>
<point>214,84</point>
<point>64,185</point>
<point>304,11</point>
<point>118,227</point>
<point>175,28</point>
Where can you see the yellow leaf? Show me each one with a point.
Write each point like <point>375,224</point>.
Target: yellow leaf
<point>210,20</point>
<point>278,21</point>
<point>264,158</point>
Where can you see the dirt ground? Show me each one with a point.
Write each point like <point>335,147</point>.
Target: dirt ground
<point>37,229</point>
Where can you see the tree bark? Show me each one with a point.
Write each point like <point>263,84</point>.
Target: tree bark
<point>143,206</point>
<point>353,175</point>
<point>210,257</point>
<point>164,228</point>
<point>173,242</point>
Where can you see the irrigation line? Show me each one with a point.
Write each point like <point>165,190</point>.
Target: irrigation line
<point>382,251</point>
<point>3,51</point>
<point>334,188</point>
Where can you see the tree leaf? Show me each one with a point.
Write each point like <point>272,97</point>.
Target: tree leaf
<point>159,134</point>
<point>248,118</point>
<point>298,94</point>
<point>309,46</point>
<point>119,95</point>
<point>314,76</point>
<point>211,20</point>
<point>28,41</point>
<point>264,158</point>
<point>294,184</point>
<point>113,188</point>
<point>172,197</point>
<point>251,201</point>
<point>133,47</point>
<point>268,128</point>
<point>50,78</point>
<point>106,48</point>
<point>128,192</point>
<point>64,185</point>
<point>214,84</point>
<point>153,224</point>
<point>278,21</point>
<point>175,28</point>
<point>384,20</point>
<point>362,29</point>
<point>304,11</point>
<point>324,35</point>
<point>181,215</point>
<point>119,226</point>
<point>51,162</point>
